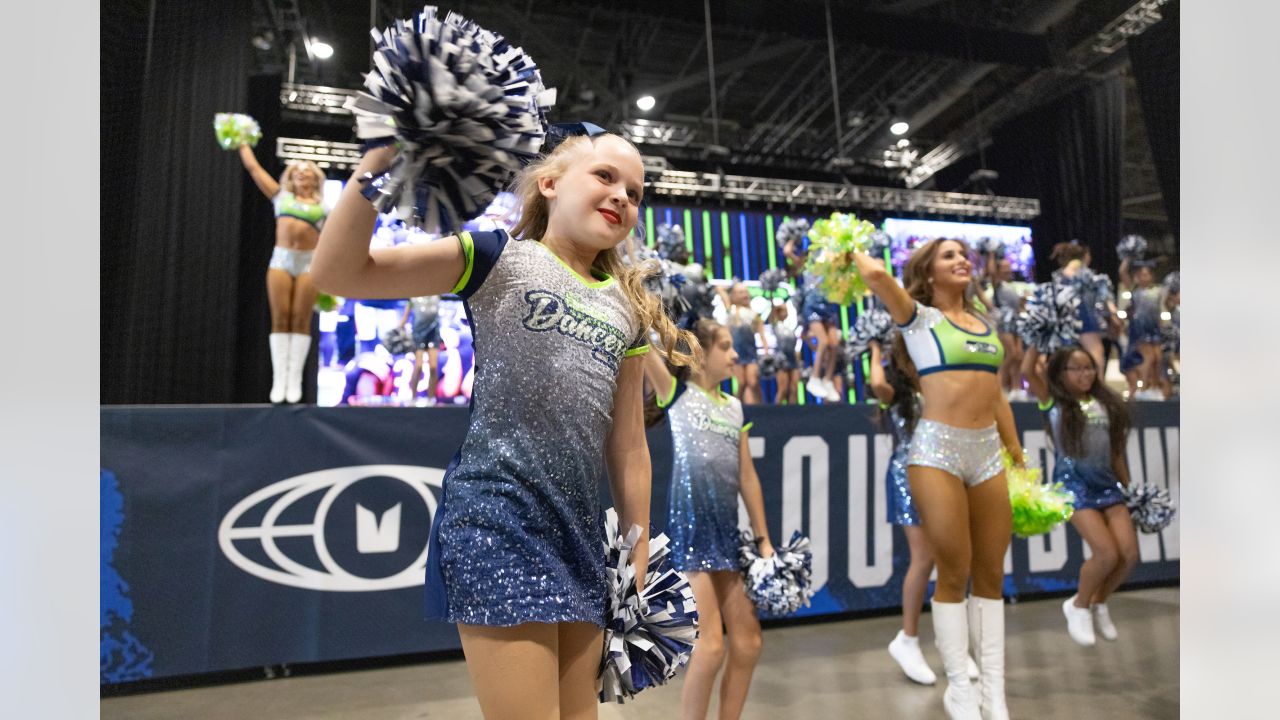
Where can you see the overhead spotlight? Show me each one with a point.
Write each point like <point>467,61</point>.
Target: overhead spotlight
<point>899,127</point>
<point>321,50</point>
<point>646,103</point>
<point>903,143</point>
<point>262,41</point>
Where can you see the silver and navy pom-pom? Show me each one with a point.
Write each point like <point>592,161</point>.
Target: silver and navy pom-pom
<point>1132,247</point>
<point>465,108</point>
<point>1173,283</point>
<point>1051,320</point>
<point>670,243</point>
<point>874,324</point>
<point>990,246</point>
<point>769,364</point>
<point>880,242</point>
<point>666,279</point>
<point>771,281</point>
<point>792,229</point>
<point>1149,506</point>
<point>648,634</point>
<point>782,583</point>
<point>398,341</point>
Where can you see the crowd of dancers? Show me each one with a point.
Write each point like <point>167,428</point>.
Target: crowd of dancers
<point>581,344</point>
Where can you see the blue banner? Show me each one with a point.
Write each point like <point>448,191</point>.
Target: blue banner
<point>241,537</point>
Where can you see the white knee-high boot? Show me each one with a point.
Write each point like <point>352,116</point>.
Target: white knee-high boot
<point>986,628</point>
<point>299,347</point>
<point>279,343</point>
<point>951,634</point>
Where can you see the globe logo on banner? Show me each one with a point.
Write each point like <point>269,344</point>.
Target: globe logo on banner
<point>351,529</point>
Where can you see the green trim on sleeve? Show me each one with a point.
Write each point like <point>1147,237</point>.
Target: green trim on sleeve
<point>748,426</point>
<point>468,262</point>
<point>637,350</point>
<point>665,400</point>
<point>1045,404</point>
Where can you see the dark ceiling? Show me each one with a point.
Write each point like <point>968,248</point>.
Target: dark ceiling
<point>953,68</point>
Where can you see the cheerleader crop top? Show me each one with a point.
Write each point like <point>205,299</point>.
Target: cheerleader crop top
<point>936,344</point>
<point>287,205</point>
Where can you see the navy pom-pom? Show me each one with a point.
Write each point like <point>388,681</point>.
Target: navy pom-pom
<point>1132,247</point>
<point>874,324</point>
<point>650,634</point>
<point>771,281</point>
<point>466,109</point>
<point>792,229</point>
<point>1051,320</point>
<point>781,584</point>
<point>1149,506</point>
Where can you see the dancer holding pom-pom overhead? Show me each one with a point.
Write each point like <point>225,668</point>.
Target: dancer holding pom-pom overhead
<point>291,294</point>
<point>712,468</point>
<point>954,466</point>
<point>559,324</point>
<point>1089,424</point>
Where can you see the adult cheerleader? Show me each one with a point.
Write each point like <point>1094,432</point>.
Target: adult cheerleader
<point>291,294</point>
<point>1089,424</point>
<point>712,466</point>
<point>1093,291</point>
<point>900,409</point>
<point>515,545</point>
<point>953,465</point>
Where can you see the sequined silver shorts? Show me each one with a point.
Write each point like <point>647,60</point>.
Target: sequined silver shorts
<point>294,262</point>
<point>973,455</point>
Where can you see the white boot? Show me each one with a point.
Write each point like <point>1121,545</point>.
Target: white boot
<point>986,626</point>
<point>906,650</point>
<point>951,633</point>
<point>279,364</point>
<point>1079,622</point>
<point>299,347</point>
<point>1102,616</point>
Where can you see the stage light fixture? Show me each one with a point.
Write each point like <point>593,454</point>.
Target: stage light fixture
<point>646,103</point>
<point>321,50</point>
<point>902,143</point>
<point>899,127</point>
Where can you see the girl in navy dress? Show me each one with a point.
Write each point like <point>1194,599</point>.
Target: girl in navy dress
<point>515,553</point>
<point>711,468</point>
<point>1089,424</point>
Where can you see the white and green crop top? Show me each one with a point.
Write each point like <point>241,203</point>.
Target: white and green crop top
<point>936,344</point>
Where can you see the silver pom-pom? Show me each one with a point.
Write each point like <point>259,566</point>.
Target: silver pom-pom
<point>781,584</point>
<point>648,635</point>
<point>466,108</point>
<point>1132,247</point>
<point>399,341</point>
<point>1173,283</point>
<point>769,364</point>
<point>990,246</point>
<point>671,244</point>
<point>792,229</point>
<point>1150,507</point>
<point>880,241</point>
<point>1051,320</point>
<point>874,324</point>
<point>771,281</point>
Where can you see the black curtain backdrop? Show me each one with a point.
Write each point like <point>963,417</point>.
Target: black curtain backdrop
<point>1154,57</point>
<point>1068,154</point>
<point>181,278</point>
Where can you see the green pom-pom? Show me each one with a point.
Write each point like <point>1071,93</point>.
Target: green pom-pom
<point>831,244</point>
<point>234,130</point>
<point>1038,507</point>
<point>327,303</point>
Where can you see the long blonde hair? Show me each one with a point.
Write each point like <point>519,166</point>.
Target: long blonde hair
<point>680,347</point>
<point>293,168</point>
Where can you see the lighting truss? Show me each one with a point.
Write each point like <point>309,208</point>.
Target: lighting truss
<point>315,98</point>
<point>1134,21</point>
<point>663,181</point>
